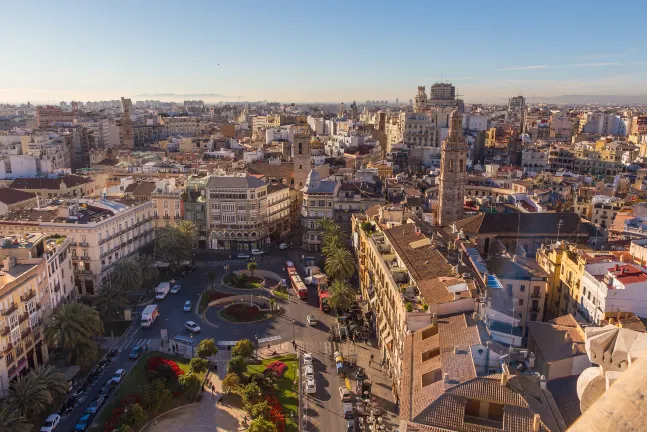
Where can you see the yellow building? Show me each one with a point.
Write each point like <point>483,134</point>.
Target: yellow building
<point>550,260</point>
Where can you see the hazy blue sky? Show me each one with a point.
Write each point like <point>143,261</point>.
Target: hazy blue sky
<point>321,51</point>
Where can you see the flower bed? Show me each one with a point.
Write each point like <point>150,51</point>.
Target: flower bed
<point>276,413</point>
<point>240,312</point>
<point>115,418</point>
<point>154,363</point>
<point>277,367</point>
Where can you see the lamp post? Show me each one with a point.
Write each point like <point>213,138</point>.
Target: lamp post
<point>294,342</point>
<point>256,339</point>
<point>192,346</point>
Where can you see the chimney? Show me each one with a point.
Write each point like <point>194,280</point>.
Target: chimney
<point>434,320</point>
<point>504,379</point>
<point>542,382</point>
<point>536,423</point>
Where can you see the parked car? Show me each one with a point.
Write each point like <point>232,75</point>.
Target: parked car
<point>119,374</point>
<point>309,372</point>
<point>312,320</point>
<point>307,359</point>
<point>192,327</point>
<point>347,409</point>
<point>345,394</point>
<point>95,405</point>
<point>176,289</point>
<point>50,423</point>
<point>257,252</point>
<point>350,425</point>
<point>136,352</point>
<point>84,422</point>
<point>311,387</point>
<point>283,246</point>
<point>243,255</point>
<point>187,306</point>
<point>107,388</point>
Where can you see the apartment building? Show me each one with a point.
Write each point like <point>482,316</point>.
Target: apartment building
<point>278,210</point>
<point>14,199</point>
<point>185,126</point>
<point>51,153</point>
<point>168,205</point>
<point>45,115</point>
<point>57,187</point>
<point>23,300</point>
<point>317,204</point>
<point>100,232</point>
<point>195,207</point>
<point>353,197</point>
<point>237,208</point>
<point>406,281</point>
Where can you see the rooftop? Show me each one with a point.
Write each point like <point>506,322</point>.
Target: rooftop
<point>235,182</point>
<point>10,196</point>
<point>26,241</point>
<point>558,339</point>
<point>50,183</point>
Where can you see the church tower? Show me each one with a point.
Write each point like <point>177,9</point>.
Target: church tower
<point>453,174</point>
<point>302,160</point>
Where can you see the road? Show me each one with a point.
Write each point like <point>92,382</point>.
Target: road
<point>323,408</point>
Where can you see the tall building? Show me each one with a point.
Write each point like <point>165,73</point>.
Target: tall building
<point>302,160</point>
<point>443,91</point>
<point>126,132</point>
<point>453,175</point>
<point>516,103</point>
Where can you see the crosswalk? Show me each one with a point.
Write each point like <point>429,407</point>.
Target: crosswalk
<point>323,348</point>
<point>260,260</point>
<point>131,343</point>
<point>130,331</point>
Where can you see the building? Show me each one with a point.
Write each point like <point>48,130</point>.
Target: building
<point>353,197</point>
<point>168,205</point>
<point>453,172</point>
<point>302,160</point>
<point>237,212</point>
<point>14,199</point>
<point>517,103</point>
<point>46,115</point>
<point>101,232</point>
<point>57,187</point>
<point>278,210</point>
<point>126,131</point>
<point>195,207</point>
<point>317,204</point>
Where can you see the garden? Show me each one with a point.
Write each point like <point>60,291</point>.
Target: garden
<point>209,296</point>
<point>243,281</point>
<point>246,312</point>
<point>158,383</point>
<point>267,389</point>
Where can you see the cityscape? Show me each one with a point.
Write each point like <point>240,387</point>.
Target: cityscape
<point>439,253</point>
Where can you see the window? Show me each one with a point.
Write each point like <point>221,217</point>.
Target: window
<point>520,302</point>
<point>522,288</point>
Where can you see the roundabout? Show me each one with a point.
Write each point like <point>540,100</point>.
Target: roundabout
<point>246,313</point>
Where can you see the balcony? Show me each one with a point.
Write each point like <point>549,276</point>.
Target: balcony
<point>84,244</point>
<point>85,258</point>
<point>167,217</point>
<point>28,296</point>
<point>535,295</point>
<point>12,308</point>
<point>73,243</point>
<point>5,331</point>
<point>57,288</point>
<point>8,348</point>
<point>23,317</point>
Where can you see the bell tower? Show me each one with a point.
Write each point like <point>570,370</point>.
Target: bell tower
<point>453,173</point>
<point>302,160</point>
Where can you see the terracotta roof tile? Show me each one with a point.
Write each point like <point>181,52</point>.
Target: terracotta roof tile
<point>12,196</point>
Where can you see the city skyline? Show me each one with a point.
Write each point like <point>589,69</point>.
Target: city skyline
<point>301,52</point>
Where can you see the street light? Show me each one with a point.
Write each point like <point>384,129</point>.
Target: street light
<point>192,345</point>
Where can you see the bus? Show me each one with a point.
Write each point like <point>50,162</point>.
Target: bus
<point>323,301</point>
<point>295,280</point>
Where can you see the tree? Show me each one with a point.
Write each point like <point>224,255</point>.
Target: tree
<point>11,420</point>
<point>243,348</point>
<point>134,416</point>
<point>126,275</point>
<point>28,396</point>
<point>206,348</point>
<point>252,394</point>
<point>110,301</point>
<point>341,295</point>
<point>251,266</point>
<point>150,272</point>
<point>198,365</point>
<point>259,424</point>
<point>212,277</point>
<point>236,365</point>
<point>230,383</point>
<point>53,381</point>
<point>190,383</point>
<point>188,228</point>
<point>173,246</point>
<point>124,428</point>
<point>71,328</point>
<point>261,409</point>
<point>156,396</point>
<point>340,264</point>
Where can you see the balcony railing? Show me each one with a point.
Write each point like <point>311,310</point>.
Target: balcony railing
<point>12,308</point>
<point>84,244</point>
<point>535,295</point>
<point>28,295</point>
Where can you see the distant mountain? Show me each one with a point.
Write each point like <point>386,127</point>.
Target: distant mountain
<point>593,99</point>
<point>184,95</point>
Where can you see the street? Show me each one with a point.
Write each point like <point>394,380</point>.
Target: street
<point>323,409</point>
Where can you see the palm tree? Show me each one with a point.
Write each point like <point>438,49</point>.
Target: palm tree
<point>340,264</point>
<point>188,228</point>
<point>11,420</point>
<point>174,246</point>
<point>127,275</point>
<point>54,381</point>
<point>71,328</point>
<point>150,272</point>
<point>110,301</point>
<point>212,277</point>
<point>28,396</point>
<point>251,266</point>
<point>341,295</point>
<point>332,244</point>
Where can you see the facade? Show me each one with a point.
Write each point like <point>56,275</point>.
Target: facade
<point>517,103</point>
<point>45,115</point>
<point>278,210</point>
<point>350,199</point>
<point>453,172</point>
<point>302,160</point>
<point>100,232</point>
<point>237,212</point>
<point>168,205</point>
<point>127,130</point>
<point>317,204</point>
<point>58,187</point>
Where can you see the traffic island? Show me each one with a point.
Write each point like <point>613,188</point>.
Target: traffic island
<point>247,312</point>
<point>242,281</point>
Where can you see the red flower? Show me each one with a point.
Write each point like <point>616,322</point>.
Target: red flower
<point>278,367</point>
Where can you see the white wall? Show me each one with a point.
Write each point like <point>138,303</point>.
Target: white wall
<point>22,166</point>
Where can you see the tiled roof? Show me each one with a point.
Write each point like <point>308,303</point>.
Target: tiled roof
<point>373,211</point>
<point>248,182</point>
<point>49,183</point>
<point>628,274</point>
<point>12,196</point>
<point>524,223</point>
<point>272,170</point>
<point>557,342</point>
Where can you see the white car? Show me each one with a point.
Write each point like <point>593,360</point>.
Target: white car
<point>345,394</point>
<point>309,372</point>
<point>283,246</point>
<point>257,252</point>
<point>119,374</point>
<point>192,327</point>
<point>307,359</point>
<point>312,320</point>
<point>50,424</point>
<point>311,387</point>
<point>176,289</point>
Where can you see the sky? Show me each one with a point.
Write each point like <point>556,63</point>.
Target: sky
<point>311,50</point>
